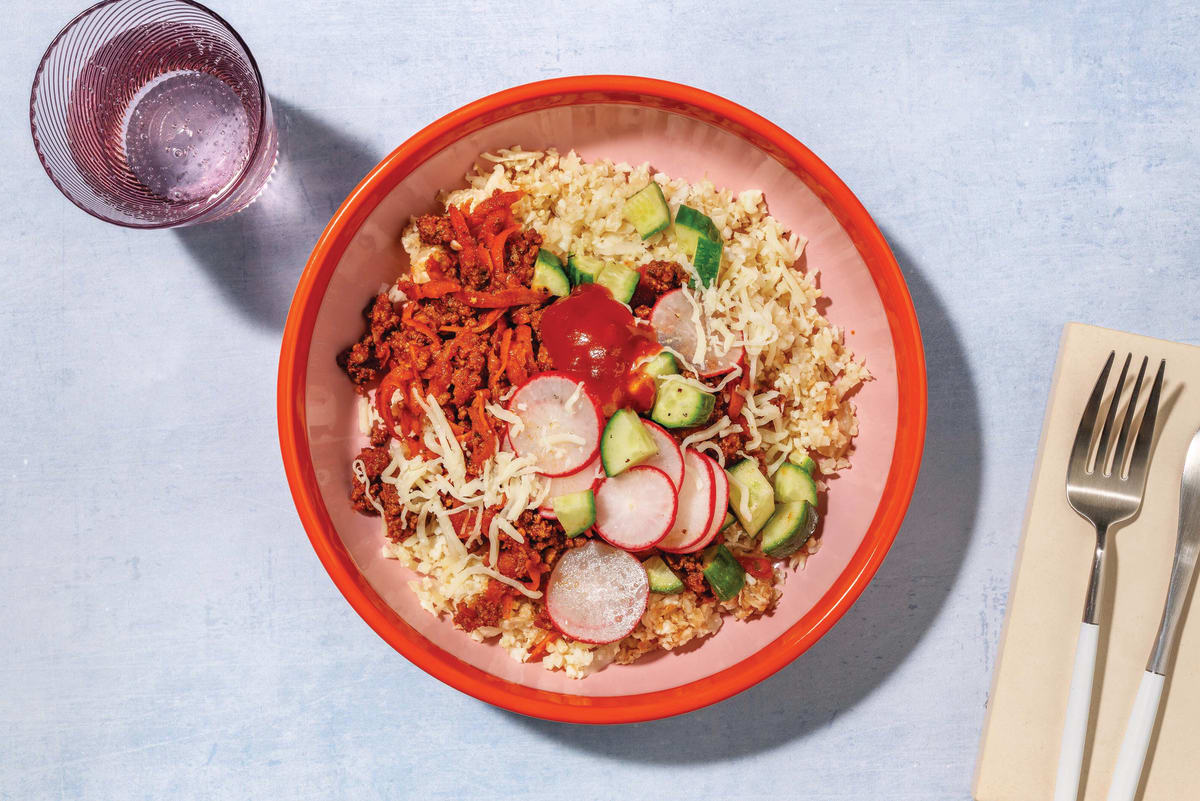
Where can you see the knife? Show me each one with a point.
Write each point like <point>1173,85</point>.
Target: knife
<point>1132,757</point>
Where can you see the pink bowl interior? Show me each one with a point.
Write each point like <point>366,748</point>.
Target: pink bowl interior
<point>679,146</point>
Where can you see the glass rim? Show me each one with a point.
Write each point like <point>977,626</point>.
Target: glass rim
<point>217,199</point>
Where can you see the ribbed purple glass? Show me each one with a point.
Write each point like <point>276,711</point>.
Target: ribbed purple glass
<point>151,114</point>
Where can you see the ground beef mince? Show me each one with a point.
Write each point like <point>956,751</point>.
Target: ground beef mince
<point>521,251</point>
<point>689,568</point>
<point>470,359</point>
<point>660,277</point>
<point>487,608</point>
<point>435,229</point>
<point>374,461</point>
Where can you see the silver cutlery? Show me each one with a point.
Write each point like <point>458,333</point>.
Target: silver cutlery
<point>1104,493</point>
<point>1132,756</point>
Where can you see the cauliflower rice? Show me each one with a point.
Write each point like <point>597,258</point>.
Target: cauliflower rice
<point>799,367</point>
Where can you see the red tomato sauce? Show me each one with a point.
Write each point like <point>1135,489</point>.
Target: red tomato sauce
<point>596,339</point>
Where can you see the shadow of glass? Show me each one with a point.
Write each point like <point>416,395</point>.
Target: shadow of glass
<point>880,631</point>
<point>255,257</point>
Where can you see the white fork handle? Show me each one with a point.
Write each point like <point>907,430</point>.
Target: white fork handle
<point>1079,707</point>
<point>1128,772</point>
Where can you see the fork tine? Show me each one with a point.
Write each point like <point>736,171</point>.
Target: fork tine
<point>1102,445</point>
<point>1087,424</point>
<point>1139,463</point>
<point>1118,464</point>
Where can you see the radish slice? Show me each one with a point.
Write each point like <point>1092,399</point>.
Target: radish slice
<point>673,325</point>
<point>597,593</point>
<point>695,505</point>
<point>669,458</point>
<point>720,504</point>
<point>580,480</point>
<point>636,508</point>
<point>561,423</point>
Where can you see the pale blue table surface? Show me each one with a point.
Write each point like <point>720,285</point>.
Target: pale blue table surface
<point>167,632</point>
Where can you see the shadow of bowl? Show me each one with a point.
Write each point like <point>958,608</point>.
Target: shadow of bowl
<point>887,622</point>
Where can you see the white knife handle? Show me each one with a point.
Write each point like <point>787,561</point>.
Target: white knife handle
<point>1079,705</point>
<point>1128,772</point>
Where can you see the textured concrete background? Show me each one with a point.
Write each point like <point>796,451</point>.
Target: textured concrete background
<point>168,633</point>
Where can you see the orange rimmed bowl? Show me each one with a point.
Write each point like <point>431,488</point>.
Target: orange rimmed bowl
<point>686,133</point>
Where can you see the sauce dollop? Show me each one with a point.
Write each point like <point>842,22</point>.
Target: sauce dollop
<point>598,340</point>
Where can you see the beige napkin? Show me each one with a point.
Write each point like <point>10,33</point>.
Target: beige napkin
<point>1019,752</point>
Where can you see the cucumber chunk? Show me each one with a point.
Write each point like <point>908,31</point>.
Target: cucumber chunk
<point>729,519</point>
<point>625,442</point>
<point>548,274</point>
<point>707,260</point>
<point>576,511</point>
<point>662,364</point>
<point>584,269</point>
<point>621,281</point>
<point>723,572</point>
<point>692,226</point>
<point>789,528</point>
<point>647,210</point>
<point>750,496</point>
<point>662,578</point>
<point>806,463</point>
<point>679,405</point>
<point>793,484</point>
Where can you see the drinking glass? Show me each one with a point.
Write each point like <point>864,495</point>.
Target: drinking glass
<point>152,114</point>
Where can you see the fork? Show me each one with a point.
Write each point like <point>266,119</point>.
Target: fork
<point>1103,494</point>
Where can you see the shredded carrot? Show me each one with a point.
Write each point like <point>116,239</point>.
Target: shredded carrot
<point>461,231</point>
<point>485,256</point>
<point>498,263</point>
<point>737,397</point>
<point>481,426</point>
<point>437,288</point>
<point>539,650</point>
<point>519,355</point>
<point>513,296</point>
<point>505,346</point>
<point>500,200</point>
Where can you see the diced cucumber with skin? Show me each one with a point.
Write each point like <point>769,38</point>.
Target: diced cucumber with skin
<point>793,483</point>
<point>625,442</point>
<point>725,575</point>
<point>690,227</point>
<point>548,274</point>
<point>576,511</point>
<point>679,405</point>
<point>789,528</point>
<point>750,495</point>
<point>647,210</point>
<point>662,578</point>
<point>662,364</point>
<point>584,269</point>
<point>621,281</point>
<point>707,260</point>
<point>729,519</point>
<point>806,463</point>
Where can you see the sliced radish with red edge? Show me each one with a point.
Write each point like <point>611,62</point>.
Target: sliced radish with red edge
<point>673,325</point>
<point>597,593</point>
<point>561,423</point>
<point>720,504</point>
<point>695,504</point>
<point>669,458</point>
<point>635,509</point>
<point>583,479</point>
